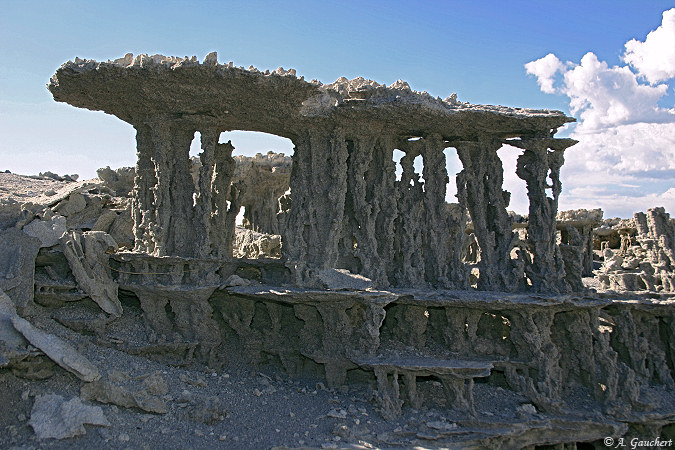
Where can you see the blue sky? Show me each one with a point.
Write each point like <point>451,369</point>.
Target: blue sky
<point>475,49</point>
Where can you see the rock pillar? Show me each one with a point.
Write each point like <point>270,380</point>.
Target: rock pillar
<point>540,166</point>
<point>314,224</point>
<point>215,217</point>
<point>443,231</point>
<point>367,243</point>
<point>162,208</point>
<point>479,189</point>
<point>408,259</point>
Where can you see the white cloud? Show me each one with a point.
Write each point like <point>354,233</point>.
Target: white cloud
<point>601,96</point>
<point>604,96</point>
<point>625,160</point>
<point>545,70</point>
<point>654,59</point>
<point>626,149</point>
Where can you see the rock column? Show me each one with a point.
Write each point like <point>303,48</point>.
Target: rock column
<point>408,258</point>
<point>163,205</point>
<point>314,224</point>
<point>442,233</point>
<point>479,188</point>
<point>366,246</point>
<point>540,166</point>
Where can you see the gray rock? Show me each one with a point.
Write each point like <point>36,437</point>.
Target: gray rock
<point>121,180</point>
<point>120,390</point>
<point>73,205</point>
<point>87,254</point>
<point>57,350</point>
<point>342,279</point>
<point>54,417</point>
<point>17,266</point>
<point>104,221</point>
<point>48,231</point>
<point>236,280</point>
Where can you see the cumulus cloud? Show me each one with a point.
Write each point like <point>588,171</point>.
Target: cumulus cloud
<point>625,159</point>
<point>545,70</point>
<point>626,149</point>
<point>654,59</point>
<point>601,96</point>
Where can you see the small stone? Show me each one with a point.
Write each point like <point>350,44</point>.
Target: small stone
<point>257,392</point>
<point>24,395</point>
<point>105,434</point>
<point>124,437</point>
<point>199,433</point>
<point>527,408</point>
<point>441,425</point>
<point>222,437</point>
<point>337,414</point>
<point>21,417</point>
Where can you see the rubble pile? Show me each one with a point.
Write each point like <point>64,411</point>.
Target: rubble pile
<point>644,258</point>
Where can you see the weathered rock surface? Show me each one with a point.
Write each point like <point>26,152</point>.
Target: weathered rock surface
<point>117,388</point>
<point>55,348</point>
<point>251,244</point>
<point>267,178</point>
<point>120,181</point>
<point>347,210</point>
<point>54,417</point>
<point>645,259</point>
<point>525,365</point>
<point>87,254</point>
<point>48,231</point>
<point>17,266</point>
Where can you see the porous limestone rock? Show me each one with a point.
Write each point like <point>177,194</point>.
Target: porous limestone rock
<point>584,221</point>
<point>54,417</point>
<point>119,389</point>
<point>15,352</point>
<point>87,254</point>
<point>120,181</point>
<point>17,266</point>
<point>267,178</point>
<point>58,350</point>
<point>251,244</point>
<point>347,210</point>
<point>49,231</point>
<point>646,257</point>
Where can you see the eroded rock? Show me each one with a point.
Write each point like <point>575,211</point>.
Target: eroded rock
<point>54,417</point>
<point>119,389</point>
<point>87,254</point>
